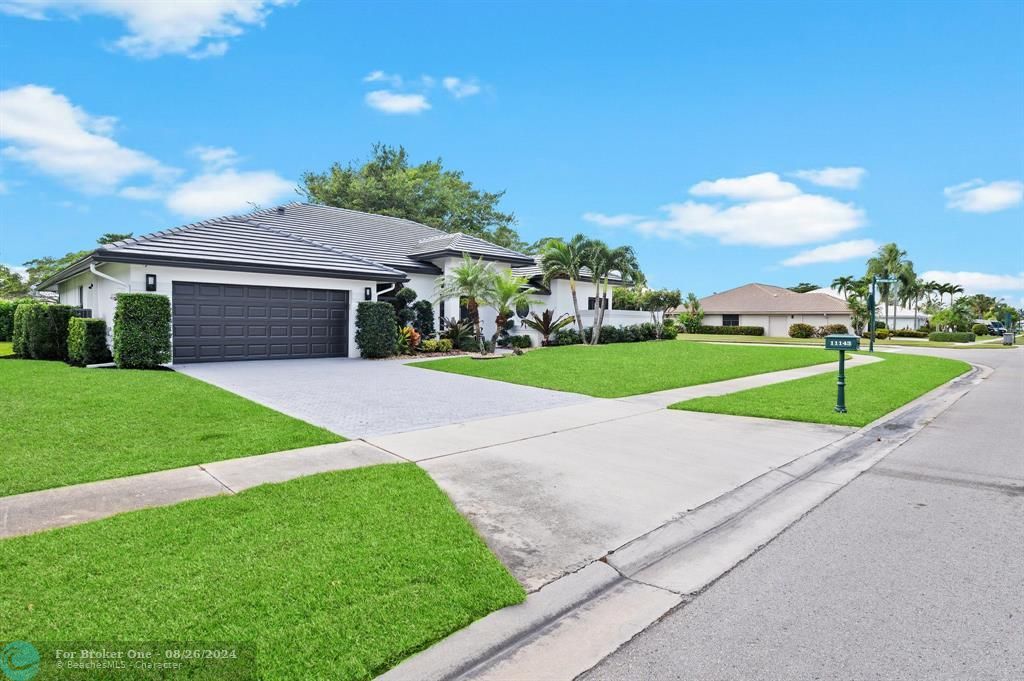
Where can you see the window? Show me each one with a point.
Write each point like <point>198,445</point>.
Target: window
<point>592,303</point>
<point>730,320</point>
<point>81,296</point>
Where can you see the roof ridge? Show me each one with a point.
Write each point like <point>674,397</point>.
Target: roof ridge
<point>326,247</point>
<point>441,232</point>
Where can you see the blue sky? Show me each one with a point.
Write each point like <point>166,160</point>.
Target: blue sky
<point>698,132</point>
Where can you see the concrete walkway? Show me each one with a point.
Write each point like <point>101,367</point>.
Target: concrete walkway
<point>74,504</point>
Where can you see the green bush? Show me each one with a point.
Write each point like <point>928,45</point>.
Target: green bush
<point>881,334</point>
<point>18,334</point>
<point>424,317</point>
<point>436,345</point>
<point>799,330</point>
<point>879,325</point>
<point>376,329</point>
<point>87,341</point>
<point>732,330</point>
<point>669,329</point>
<point>45,334</point>
<point>908,333</point>
<point>566,337</point>
<point>979,329</point>
<point>951,337</point>
<point>142,330</point>
<point>7,308</point>
<point>522,341</point>
<point>830,329</point>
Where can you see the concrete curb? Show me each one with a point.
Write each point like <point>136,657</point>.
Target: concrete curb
<point>571,624</point>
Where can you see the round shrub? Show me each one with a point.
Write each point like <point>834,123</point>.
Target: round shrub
<point>830,329</point>
<point>424,317</point>
<point>142,330</point>
<point>522,341</point>
<point>436,345</point>
<point>881,334</point>
<point>879,325</point>
<point>801,331</point>
<point>376,329</point>
<point>979,329</point>
<point>87,341</point>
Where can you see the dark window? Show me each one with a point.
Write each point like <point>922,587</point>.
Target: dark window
<point>441,319</point>
<point>592,303</point>
<point>81,296</point>
<point>730,320</point>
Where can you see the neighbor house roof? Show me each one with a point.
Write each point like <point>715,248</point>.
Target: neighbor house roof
<point>766,299</point>
<point>300,238</point>
<point>534,271</point>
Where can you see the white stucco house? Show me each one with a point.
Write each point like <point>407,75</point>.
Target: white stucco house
<point>285,282</point>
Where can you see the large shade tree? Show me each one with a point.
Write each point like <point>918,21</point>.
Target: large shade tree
<point>428,193</point>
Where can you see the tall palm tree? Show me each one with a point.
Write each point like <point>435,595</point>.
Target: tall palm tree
<point>506,293</point>
<point>597,259</point>
<point>887,263</point>
<point>471,281</point>
<point>621,259</point>
<point>952,290</point>
<point>565,259</point>
<point>843,285</point>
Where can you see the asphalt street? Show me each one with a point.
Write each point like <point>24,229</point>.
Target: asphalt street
<point>915,570</point>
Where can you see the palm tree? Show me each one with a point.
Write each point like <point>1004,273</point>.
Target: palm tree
<point>888,263</point>
<point>565,259</point>
<point>952,290</point>
<point>506,293</point>
<point>471,281</point>
<point>597,258</point>
<point>843,285</point>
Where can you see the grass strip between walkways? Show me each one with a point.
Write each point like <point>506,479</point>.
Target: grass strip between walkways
<point>334,576</point>
<point>872,391</point>
<point>623,369</point>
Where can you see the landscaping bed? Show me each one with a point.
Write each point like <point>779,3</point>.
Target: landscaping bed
<point>64,425</point>
<point>333,576</point>
<point>872,391</point>
<point>632,368</point>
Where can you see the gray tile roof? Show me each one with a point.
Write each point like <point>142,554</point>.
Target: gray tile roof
<point>243,243</point>
<point>302,238</point>
<point>535,272</point>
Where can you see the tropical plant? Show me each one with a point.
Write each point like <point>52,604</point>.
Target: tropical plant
<point>407,341</point>
<point>859,312</point>
<point>506,293</point>
<point>471,281</point>
<point>565,259</point>
<point>546,324</point>
<point>459,332</point>
<point>843,285</point>
<point>692,315</point>
<point>890,263</point>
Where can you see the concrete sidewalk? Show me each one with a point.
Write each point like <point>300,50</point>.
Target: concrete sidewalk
<point>75,504</point>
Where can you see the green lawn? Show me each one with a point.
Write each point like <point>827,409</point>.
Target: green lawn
<point>872,390</point>
<point>776,340</point>
<point>63,425</point>
<point>624,369</point>
<point>334,576</point>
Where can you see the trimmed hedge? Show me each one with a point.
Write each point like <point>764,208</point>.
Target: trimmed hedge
<point>951,337</point>
<point>634,333</point>
<point>7,308</point>
<point>908,333</point>
<point>19,336</point>
<point>45,331</point>
<point>800,330</point>
<point>732,330</point>
<point>830,329</point>
<point>979,329</point>
<point>142,330</point>
<point>87,341</point>
<point>376,329</point>
<point>522,341</point>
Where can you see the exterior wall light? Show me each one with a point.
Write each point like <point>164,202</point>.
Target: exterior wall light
<point>367,293</point>
<point>150,282</point>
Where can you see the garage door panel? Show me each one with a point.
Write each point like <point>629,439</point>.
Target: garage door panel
<point>211,322</point>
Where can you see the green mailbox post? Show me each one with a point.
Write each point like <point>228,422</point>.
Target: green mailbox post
<point>842,342</point>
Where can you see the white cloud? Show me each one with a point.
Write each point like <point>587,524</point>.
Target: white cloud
<point>839,178</point>
<point>460,88</point>
<point>43,129</point>
<point>837,252</point>
<point>396,103</point>
<point>227,192</point>
<point>392,79</point>
<point>978,197</point>
<point>620,220</point>
<point>775,218</point>
<point>760,186</point>
<point>977,281</point>
<point>4,188</point>
<point>215,158</point>
<point>194,28</point>
<point>20,270</point>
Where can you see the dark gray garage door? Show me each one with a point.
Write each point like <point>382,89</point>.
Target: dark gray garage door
<point>220,322</point>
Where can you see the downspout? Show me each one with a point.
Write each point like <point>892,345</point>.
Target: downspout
<point>387,290</point>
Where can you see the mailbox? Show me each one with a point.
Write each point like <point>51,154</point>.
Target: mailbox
<point>842,341</point>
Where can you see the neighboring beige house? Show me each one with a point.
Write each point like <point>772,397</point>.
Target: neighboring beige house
<point>773,308</point>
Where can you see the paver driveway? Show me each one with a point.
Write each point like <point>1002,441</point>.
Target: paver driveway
<point>358,398</point>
